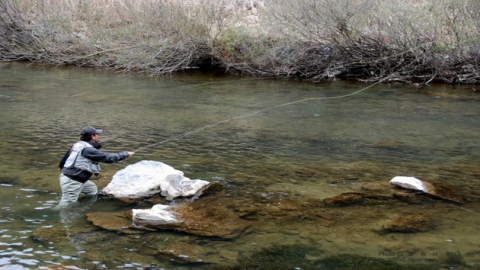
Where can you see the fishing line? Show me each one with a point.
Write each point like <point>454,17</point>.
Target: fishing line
<point>180,136</point>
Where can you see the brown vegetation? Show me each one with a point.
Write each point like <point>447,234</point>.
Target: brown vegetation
<point>406,41</point>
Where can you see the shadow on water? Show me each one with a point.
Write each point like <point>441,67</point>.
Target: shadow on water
<point>310,178</point>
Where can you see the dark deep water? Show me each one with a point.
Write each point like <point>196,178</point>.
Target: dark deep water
<point>272,146</point>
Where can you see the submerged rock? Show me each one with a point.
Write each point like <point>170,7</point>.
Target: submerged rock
<point>352,198</point>
<point>407,197</point>
<point>147,178</point>
<point>194,218</point>
<point>201,217</point>
<point>185,253</point>
<point>343,199</point>
<point>442,191</point>
<point>45,235</point>
<point>410,224</point>
<point>451,193</point>
<point>119,222</point>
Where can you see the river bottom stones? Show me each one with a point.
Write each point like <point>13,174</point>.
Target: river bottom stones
<point>410,224</point>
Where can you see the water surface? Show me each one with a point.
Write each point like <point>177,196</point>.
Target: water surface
<point>264,140</point>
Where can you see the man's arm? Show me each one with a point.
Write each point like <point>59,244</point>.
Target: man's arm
<point>99,156</point>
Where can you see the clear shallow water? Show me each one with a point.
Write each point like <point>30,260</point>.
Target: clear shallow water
<point>308,150</point>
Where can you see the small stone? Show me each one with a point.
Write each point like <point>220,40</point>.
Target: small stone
<point>409,183</point>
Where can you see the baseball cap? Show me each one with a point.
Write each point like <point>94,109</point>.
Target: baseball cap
<point>89,130</point>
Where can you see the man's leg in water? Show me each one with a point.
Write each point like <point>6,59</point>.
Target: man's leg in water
<point>89,188</point>
<point>71,189</point>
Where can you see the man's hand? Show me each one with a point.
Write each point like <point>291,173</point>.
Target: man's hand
<point>131,154</point>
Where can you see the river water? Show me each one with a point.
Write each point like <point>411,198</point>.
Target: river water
<point>263,139</point>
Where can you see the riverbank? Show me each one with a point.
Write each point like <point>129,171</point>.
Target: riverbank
<point>413,42</point>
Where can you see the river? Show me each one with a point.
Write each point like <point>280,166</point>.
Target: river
<point>265,140</point>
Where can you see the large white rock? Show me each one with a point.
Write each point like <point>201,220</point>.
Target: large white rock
<point>147,178</point>
<point>409,183</point>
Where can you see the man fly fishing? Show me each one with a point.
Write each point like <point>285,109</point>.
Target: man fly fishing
<point>81,162</point>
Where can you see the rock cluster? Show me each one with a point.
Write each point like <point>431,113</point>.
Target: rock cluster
<point>376,212</point>
<point>148,178</point>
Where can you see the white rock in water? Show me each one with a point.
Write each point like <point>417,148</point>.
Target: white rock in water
<point>158,214</point>
<point>409,183</point>
<point>146,178</point>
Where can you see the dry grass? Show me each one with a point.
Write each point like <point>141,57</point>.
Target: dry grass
<point>410,41</point>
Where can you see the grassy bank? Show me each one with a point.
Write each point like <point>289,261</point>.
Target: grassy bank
<point>410,41</point>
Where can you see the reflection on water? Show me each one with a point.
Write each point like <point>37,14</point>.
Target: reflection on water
<point>297,153</point>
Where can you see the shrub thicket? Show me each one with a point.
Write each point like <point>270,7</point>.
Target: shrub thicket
<point>412,41</point>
